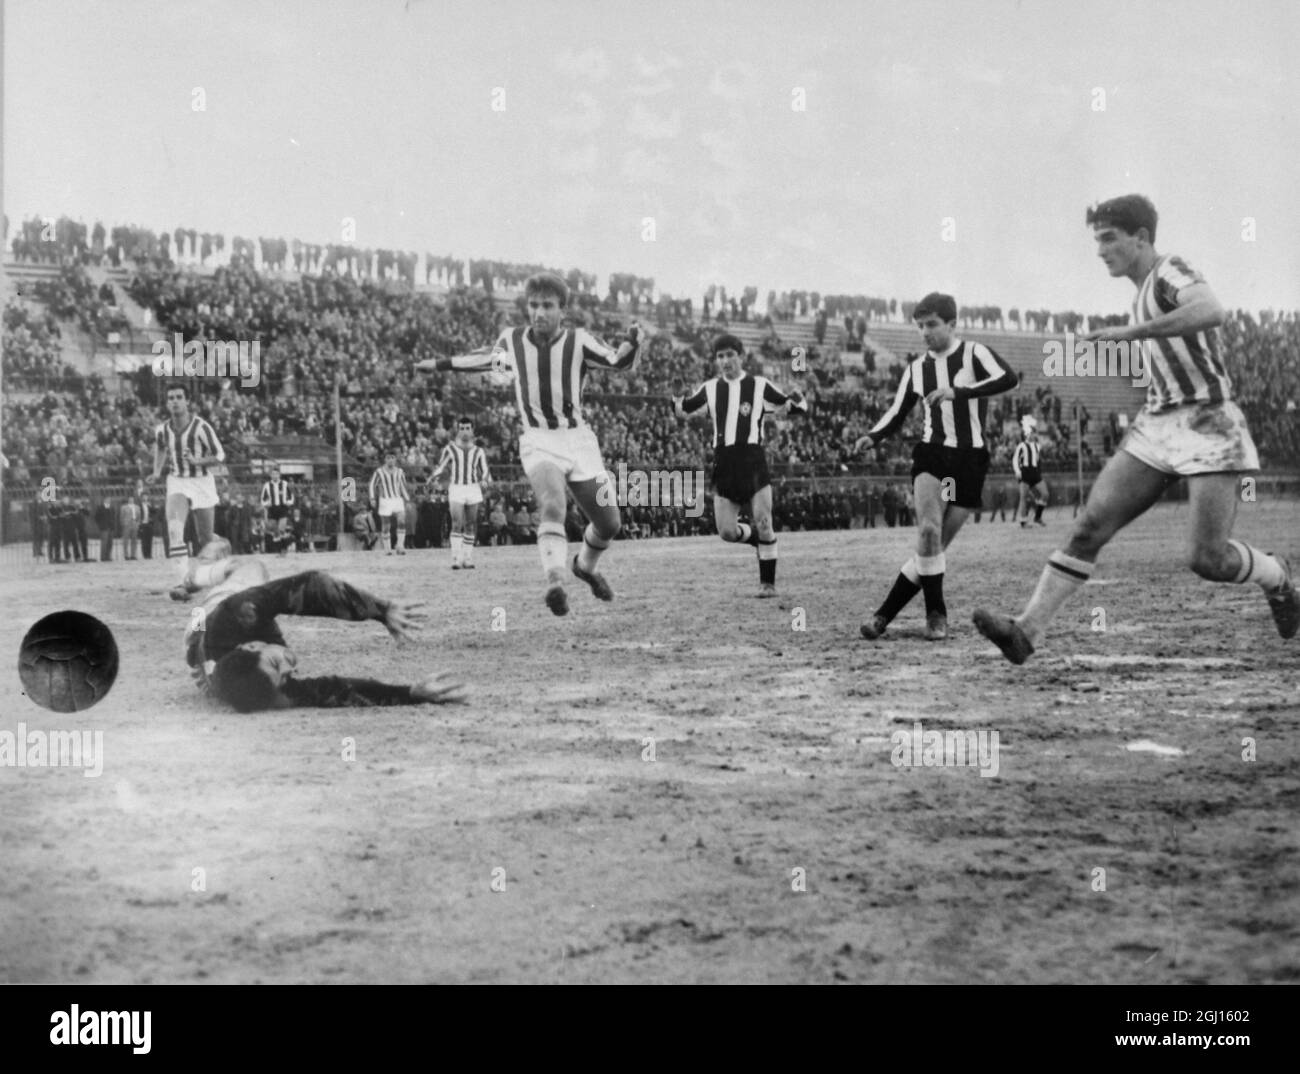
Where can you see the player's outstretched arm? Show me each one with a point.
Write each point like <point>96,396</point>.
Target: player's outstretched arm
<point>482,360</point>
<point>320,594</point>
<point>1198,309</point>
<point>338,691</point>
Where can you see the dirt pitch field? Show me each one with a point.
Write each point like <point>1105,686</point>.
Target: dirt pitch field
<point>772,753</point>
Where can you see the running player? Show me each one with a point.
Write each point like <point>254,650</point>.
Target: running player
<point>187,447</point>
<point>1025,462</point>
<point>954,378</point>
<point>557,448</point>
<point>236,652</point>
<point>1189,428</point>
<point>388,490</point>
<point>468,464</point>
<point>737,402</point>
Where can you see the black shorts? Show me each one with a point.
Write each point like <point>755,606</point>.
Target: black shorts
<point>739,472</point>
<point>1030,475</point>
<point>966,467</point>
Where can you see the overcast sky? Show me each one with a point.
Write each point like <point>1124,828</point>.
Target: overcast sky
<point>382,111</point>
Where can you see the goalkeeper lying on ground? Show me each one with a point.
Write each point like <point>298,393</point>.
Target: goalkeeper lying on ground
<point>237,653</point>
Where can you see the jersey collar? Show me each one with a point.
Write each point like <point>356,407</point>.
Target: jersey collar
<point>952,349</point>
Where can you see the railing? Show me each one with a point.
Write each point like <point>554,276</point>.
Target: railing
<point>19,504</point>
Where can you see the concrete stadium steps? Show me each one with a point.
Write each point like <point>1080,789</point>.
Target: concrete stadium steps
<point>76,347</point>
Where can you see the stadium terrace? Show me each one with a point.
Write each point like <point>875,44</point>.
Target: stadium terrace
<point>211,358</point>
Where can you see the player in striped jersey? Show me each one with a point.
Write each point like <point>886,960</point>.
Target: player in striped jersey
<point>277,498</point>
<point>388,490</point>
<point>547,364</point>
<point>1189,428</point>
<point>954,378</point>
<point>186,447</point>
<point>467,465</point>
<point>737,402</point>
<point>1025,462</point>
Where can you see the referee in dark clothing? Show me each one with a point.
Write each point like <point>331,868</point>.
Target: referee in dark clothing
<point>737,403</point>
<point>954,378</point>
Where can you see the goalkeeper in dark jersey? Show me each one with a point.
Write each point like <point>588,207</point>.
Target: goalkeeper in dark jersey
<point>236,651</point>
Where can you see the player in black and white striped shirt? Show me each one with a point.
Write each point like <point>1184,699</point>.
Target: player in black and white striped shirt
<point>547,364</point>
<point>737,402</point>
<point>467,466</point>
<point>388,490</point>
<point>187,448</point>
<point>1026,464</point>
<point>954,378</point>
<point>277,498</point>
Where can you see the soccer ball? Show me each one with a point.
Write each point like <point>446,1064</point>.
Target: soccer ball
<point>68,662</point>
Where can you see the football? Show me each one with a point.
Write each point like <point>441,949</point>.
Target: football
<point>68,661</point>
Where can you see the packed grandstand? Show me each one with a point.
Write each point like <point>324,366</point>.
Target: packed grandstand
<point>82,400</point>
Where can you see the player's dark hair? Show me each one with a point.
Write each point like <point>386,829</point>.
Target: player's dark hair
<point>465,419</point>
<point>182,388</point>
<point>547,283</point>
<point>240,680</point>
<point>728,342</point>
<point>942,306</point>
<point>1128,213</point>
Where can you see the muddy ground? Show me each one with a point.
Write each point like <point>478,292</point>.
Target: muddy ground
<point>771,755</point>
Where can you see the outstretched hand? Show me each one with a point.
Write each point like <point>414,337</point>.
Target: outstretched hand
<point>437,690</point>
<point>402,618</point>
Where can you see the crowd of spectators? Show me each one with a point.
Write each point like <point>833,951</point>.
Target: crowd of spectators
<point>368,332</point>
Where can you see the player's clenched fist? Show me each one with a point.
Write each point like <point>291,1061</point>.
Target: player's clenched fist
<point>863,442</point>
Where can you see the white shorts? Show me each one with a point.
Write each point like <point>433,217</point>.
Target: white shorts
<point>464,495</point>
<point>1205,438</point>
<point>389,507</point>
<point>200,491</point>
<point>575,451</point>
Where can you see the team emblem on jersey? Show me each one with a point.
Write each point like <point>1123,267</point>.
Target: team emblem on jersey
<point>745,408</point>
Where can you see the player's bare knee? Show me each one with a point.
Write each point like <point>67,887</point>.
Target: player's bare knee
<point>763,526</point>
<point>930,537</point>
